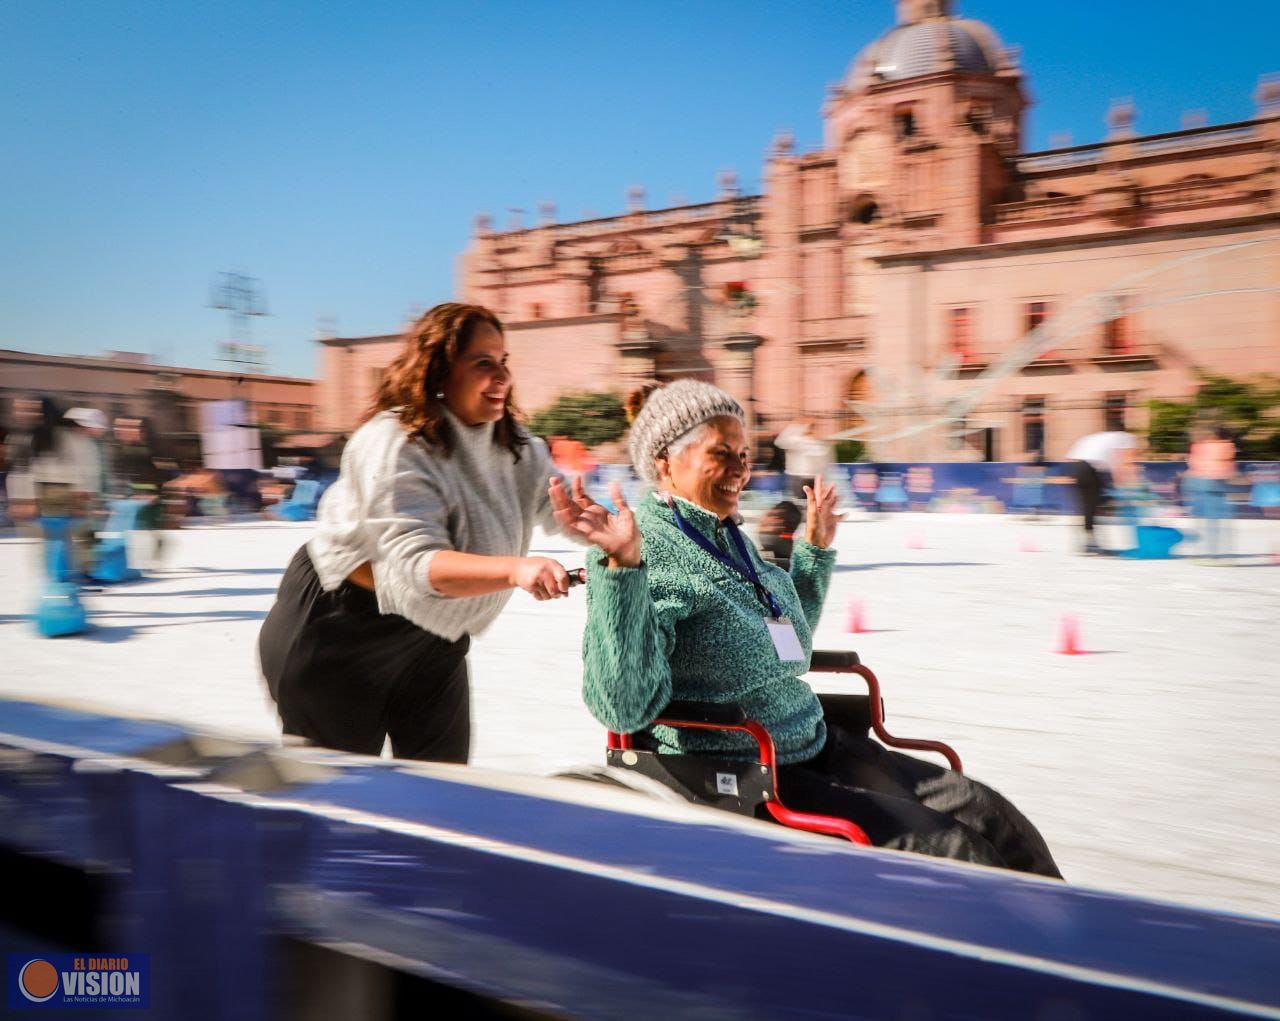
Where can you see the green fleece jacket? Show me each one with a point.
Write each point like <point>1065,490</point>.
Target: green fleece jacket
<point>685,626</point>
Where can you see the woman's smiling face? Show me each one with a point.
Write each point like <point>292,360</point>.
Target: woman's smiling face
<point>479,381</point>
<point>713,469</point>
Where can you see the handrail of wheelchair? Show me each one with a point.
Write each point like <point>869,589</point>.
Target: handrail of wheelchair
<point>828,824</point>
<point>835,663</point>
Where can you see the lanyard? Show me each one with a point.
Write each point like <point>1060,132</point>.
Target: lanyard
<point>747,569</point>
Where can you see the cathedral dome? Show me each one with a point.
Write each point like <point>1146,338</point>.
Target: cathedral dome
<point>919,47</point>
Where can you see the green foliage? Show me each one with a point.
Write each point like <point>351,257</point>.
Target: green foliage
<point>591,418</point>
<point>849,451</point>
<point>1170,427</point>
<point>1249,410</point>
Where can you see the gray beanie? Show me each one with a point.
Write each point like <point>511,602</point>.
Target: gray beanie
<point>669,413</point>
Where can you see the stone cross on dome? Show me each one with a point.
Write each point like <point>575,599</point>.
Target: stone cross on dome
<point>911,11</point>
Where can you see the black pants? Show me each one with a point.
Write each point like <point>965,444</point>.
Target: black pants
<point>912,805</point>
<point>345,676</point>
<point>1090,486</point>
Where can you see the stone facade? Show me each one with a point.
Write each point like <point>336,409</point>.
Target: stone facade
<point>887,281</point>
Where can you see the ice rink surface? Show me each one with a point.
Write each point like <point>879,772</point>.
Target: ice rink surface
<point>1150,763</point>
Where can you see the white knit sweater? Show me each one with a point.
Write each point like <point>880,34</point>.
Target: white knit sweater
<point>397,502</point>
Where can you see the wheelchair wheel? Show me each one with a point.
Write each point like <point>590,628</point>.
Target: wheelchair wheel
<point>625,779</point>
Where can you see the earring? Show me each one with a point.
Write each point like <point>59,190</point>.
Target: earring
<point>440,395</point>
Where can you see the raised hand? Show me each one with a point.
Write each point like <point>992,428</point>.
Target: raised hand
<point>616,534</point>
<point>820,513</point>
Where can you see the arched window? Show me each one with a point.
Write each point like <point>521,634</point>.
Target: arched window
<point>866,212</point>
<point>857,390</point>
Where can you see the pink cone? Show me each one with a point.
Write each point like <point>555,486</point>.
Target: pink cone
<point>856,625</point>
<point>1069,636</point>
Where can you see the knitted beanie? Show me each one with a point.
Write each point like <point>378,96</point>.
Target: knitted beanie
<point>669,413</point>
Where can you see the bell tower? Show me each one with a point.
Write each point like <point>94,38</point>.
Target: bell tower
<point>925,127</point>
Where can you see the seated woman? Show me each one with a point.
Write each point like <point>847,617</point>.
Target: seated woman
<point>681,606</point>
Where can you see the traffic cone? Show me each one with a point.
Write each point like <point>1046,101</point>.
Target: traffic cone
<point>1069,636</point>
<point>1028,546</point>
<point>915,541</point>
<point>856,625</point>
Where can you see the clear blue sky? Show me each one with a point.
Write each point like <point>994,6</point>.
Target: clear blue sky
<point>339,152</point>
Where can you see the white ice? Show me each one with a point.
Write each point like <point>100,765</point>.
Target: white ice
<point>1149,764</point>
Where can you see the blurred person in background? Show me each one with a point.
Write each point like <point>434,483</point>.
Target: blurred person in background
<point>94,425</point>
<point>1097,462</point>
<point>1211,465</point>
<point>139,471</point>
<point>807,456</point>
<point>66,473</point>
<point>19,485</point>
<point>419,545</point>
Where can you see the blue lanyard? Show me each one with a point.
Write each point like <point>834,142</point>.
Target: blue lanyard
<point>746,569</point>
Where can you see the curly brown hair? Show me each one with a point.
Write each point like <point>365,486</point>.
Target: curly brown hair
<point>410,383</point>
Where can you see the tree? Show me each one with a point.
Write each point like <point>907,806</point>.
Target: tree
<point>590,418</point>
<point>1249,410</point>
<point>850,451</point>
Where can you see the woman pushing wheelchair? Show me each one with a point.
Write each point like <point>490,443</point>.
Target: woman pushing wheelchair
<point>681,606</point>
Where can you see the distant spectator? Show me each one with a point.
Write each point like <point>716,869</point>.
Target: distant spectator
<point>19,485</point>
<point>95,426</point>
<point>807,456</point>
<point>1211,464</point>
<point>140,472</point>
<point>66,474</point>
<point>1096,462</point>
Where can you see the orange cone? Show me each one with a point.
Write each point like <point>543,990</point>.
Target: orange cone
<point>856,625</point>
<point>1069,636</point>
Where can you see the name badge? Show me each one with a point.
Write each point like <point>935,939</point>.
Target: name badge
<point>785,640</point>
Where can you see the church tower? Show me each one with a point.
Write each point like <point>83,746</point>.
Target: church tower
<point>924,128</point>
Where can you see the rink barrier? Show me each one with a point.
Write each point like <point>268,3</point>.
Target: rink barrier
<point>1003,486</point>
<point>268,883</point>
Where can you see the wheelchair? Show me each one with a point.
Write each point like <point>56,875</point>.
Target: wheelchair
<point>750,788</point>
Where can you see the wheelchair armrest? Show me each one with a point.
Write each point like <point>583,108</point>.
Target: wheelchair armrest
<point>727,714</point>
<point>833,661</point>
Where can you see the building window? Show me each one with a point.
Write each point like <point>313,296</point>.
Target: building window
<point>1115,412</point>
<point>866,212</point>
<point>1117,332</point>
<point>1037,313</point>
<point>960,335</point>
<point>301,419</point>
<point>535,310</point>
<point>904,120</point>
<point>1033,431</point>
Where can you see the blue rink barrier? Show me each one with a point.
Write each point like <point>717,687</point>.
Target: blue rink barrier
<point>1020,487</point>
<point>278,883</point>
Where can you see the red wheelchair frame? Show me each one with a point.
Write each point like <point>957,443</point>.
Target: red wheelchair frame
<point>622,751</point>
